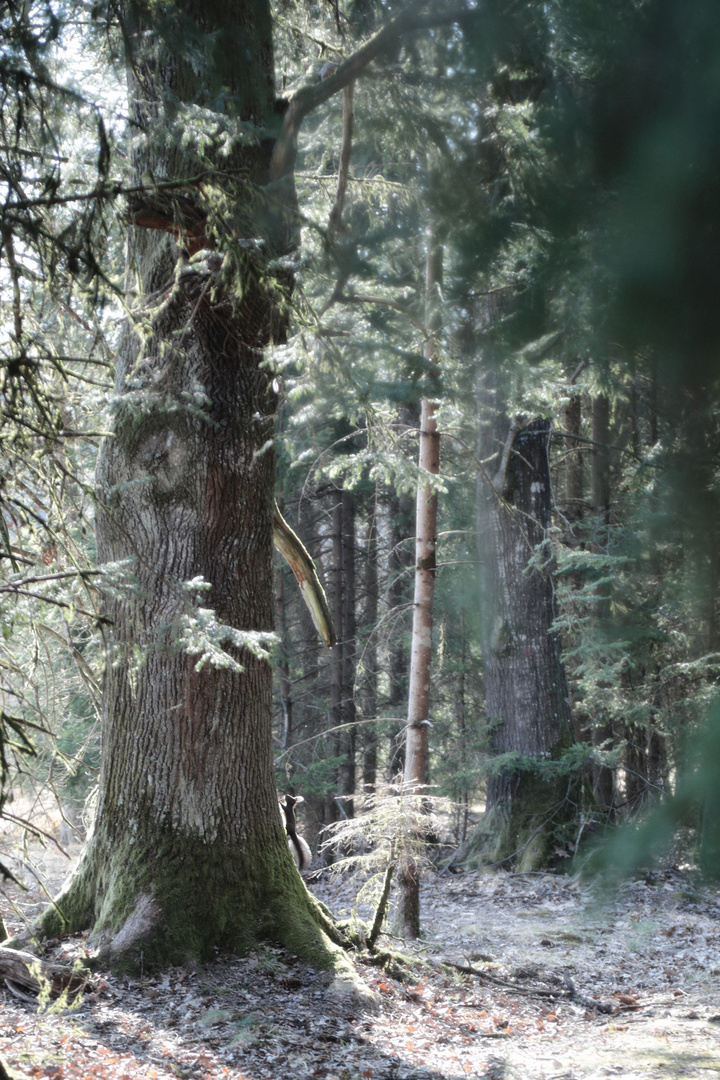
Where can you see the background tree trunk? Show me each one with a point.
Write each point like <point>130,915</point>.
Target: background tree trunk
<point>332,808</point>
<point>574,460</point>
<point>370,659</point>
<point>401,513</point>
<point>601,732</point>
<point>526,692</point>
<point>349,630</point>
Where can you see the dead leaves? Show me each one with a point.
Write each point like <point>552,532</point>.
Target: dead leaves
<point>268,1015</point>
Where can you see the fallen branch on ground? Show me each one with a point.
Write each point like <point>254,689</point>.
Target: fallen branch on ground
<point>570,993</point>
<point>29,971</point>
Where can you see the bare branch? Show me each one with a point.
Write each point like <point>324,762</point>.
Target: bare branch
<point>305,99</point>
<point>335,222</point>
<point>500,479</point>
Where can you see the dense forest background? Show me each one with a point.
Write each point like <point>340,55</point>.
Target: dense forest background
<point>509,232</point>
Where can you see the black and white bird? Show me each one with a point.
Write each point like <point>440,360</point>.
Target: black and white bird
<point>299,848</point>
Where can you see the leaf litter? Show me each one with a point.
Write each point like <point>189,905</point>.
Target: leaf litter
<point>510,981</point>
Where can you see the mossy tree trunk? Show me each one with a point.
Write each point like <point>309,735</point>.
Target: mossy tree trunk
<point>526,690</point>
<point>188,855</point>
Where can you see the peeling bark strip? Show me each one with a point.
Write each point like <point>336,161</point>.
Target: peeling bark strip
<point>300,562</point>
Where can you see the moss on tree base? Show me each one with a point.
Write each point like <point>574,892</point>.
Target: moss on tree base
<point>177,901</point>
<point>527,829</point>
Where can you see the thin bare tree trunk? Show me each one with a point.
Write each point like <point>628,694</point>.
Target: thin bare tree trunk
<point>370,660</point>
<point>349,630</point>
<point>461,794</point>
<point>574,462</point>
<point>336,663</point>
<point>601,465</point>
<point>416,740</point>
<point>602,733</point>
<point>335,220</point>
<point>401,513</point>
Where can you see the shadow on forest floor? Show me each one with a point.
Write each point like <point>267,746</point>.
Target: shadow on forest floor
<point>653,955</point>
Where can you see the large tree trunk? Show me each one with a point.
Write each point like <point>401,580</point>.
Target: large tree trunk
<point>526,691</point>
<point>188,854</point>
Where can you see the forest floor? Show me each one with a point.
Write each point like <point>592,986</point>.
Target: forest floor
<point>544,947</point>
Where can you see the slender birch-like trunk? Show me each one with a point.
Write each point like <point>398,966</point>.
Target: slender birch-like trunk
<point>348,740</point>
<point>370,661</point>
<point>416,741</point>
<point>602,733</point>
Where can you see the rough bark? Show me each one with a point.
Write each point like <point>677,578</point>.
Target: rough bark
<point>574,461</point>
<point>187,854</point>
<point>526,692</point>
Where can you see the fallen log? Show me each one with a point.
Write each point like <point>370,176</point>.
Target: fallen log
<point>29,971</point>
